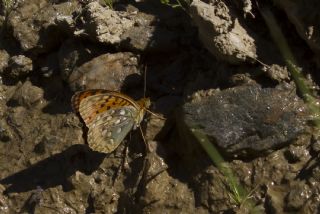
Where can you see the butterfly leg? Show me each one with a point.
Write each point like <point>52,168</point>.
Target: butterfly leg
<point>145,142</point>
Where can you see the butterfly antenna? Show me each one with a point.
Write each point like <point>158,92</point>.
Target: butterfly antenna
<point>156,115</point>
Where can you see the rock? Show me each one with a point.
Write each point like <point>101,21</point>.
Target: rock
<point>148,34</point>
<point>133,31</point>
<point>66,203</point>
<point>275,197</point>
<point>4,59</point>
<point>247,120</point>
<point>19,66</point>
<point>149,39</point>
<point>298,195</point>
<point>33,24</point>
<point>66,24</point>
<point>103,24</point>
<point>13,125</point>
<point>241,79</point>
<point>107,71</point>
<point>278,73</point>
<point>74,53</point>
<point>272,169</point>
<point>297,153</point>
<point>27,95</point>
<point>316,145</point>
<point>221,32</point>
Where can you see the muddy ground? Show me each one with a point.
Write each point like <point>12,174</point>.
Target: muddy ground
<point>211,65</point>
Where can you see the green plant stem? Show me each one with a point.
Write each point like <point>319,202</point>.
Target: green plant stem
<point>239,194</point>
<point>279,39</point>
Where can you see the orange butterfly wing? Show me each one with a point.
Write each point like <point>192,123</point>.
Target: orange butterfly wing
<point>109,116</point>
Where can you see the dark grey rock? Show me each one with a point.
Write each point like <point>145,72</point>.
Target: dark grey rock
<point>247,120</point>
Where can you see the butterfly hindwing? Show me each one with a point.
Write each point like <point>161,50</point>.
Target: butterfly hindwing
<point>106,133</point>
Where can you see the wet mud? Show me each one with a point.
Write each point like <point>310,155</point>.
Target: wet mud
<point>212,65</point>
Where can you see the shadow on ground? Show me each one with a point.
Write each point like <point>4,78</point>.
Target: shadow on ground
<point>54,170</point>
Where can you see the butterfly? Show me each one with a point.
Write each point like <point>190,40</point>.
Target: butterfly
<point>109,116</point>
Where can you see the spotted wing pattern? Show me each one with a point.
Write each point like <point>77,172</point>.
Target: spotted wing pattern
<point>106,133</point>
<point>108,115</point>
<point>89,104</point>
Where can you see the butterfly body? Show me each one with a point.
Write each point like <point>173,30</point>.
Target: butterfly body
<point>109,116</point>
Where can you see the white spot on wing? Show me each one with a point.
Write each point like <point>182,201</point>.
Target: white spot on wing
<point>105,132</point>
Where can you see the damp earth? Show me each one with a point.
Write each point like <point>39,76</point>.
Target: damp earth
<point>207,64</point>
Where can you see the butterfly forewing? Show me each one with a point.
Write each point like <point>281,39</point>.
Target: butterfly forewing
<point>81,95</point>
<point>90,107</point>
